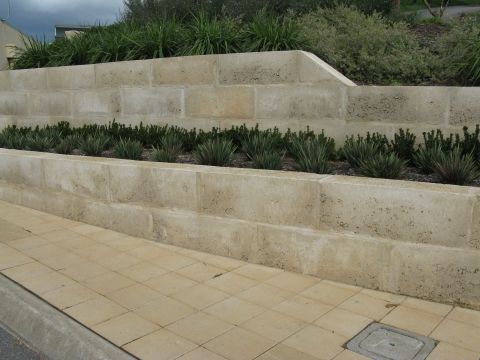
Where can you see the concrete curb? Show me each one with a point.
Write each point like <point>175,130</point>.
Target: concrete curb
<point>48,330</point>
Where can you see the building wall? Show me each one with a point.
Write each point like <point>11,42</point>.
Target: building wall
<point>8,35</point>
<point>291,89</point>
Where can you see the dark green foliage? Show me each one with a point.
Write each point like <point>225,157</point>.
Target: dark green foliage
<point>68,144</point>
<point>94,145</point>
<point>403,144</point>
<point>358,150</point>
<point>318,140</point>
<point>216,152</point>
<point>380,165</point>
<point>258,144</point>
<point>39,142</point>
<point>312,156</point>
<point>425,158</point>
<point>268,160</point>
<point>456,168</point>
<point>128,149</point>
<point>36,54</point>
<point>15,140</point>
<point>171,146</point>
<point>434,139</point>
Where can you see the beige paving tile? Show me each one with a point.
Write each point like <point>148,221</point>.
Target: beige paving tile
<point>23,272</point>
<point>61,260</point>
<point>412,320</point>
<point>397,299</point>
<point>76,243</point>
<point>201,354</point>
<point>197,255</point>
<point>108,282</point>
<point>265,295</point>
<point>459,334</point>
<point>97,252</point>
<point>427,306</point>
<point>199,327</point>
<point>125,243</point>
<point>292,282</point>
<point>84,270</point>
<point>119,261</point>
<point>284,352</point>
<point>303,308</point>
<point>226,263</point>
<point>68,296</point>
<point>317,342</point>
<point>239,344</point>
<point>445,351</point>
<point>367,306</point>
<point>149,252</point>
<point>104,235</point>
<point>200,296</point>
<point>142,272</point>
<point>95,311</point>
<point>350,355</point>
<point>4,249</point>
<point>328,293</point>
<point>274,325</point>
<point>12,259</point>
<point>257,272</point>
<point>27,242</point>
<point>125,328</point>
<point>160,345</point>
<point>43,251</point>
<point>468,316</point>
<point>200,272</point>
<point>43,228</point>
<point>85,229</point>
<point>134,296</point>
<point>343,322</point>
<point>231,283</point>
<point>164,311</point>
<point>235,310</point>
<point>170,283</point>
<point>173,261</point>
<point>47,282</point>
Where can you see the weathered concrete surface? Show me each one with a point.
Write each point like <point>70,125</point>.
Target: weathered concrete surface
<point>288,89</point>
<point>404,237</point>
<point>49,331</point>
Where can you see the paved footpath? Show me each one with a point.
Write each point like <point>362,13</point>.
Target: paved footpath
<point>163,302</point>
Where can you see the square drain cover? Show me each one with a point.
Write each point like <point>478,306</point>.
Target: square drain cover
<point>383,342</point>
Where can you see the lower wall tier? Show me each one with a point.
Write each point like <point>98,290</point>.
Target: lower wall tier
<point>423,266</point>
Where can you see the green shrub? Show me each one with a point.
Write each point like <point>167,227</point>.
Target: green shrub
<point>368,49</point>
<point>171,146</point>
<point>356,151</point>
<point>35,55</point>
<point>268,32</point>
<point>403,144</point>
<point>15,140</point>
<point>380,165</point>
<point>67,144</point>
<point>94,145</point>
<point>216,152</point>
<point>456,168</point>
<point>425,157</point>
<point>318,140</point>
<point>128,149</point>
<point>38,142</point>
<point>259,143</point>
<point>312,156</point>
<point>268,160</point>
<point>434,139</point>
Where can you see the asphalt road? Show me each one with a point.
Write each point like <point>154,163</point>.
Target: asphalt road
<point>13,348</point>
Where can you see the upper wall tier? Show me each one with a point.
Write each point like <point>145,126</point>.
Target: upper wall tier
<point>291,89</point>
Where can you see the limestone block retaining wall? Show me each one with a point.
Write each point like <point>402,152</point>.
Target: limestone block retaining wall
<point>292,89</point>
<point>404,237</point>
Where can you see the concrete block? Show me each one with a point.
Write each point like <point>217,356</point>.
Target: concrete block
<point>465,107</point>
<point>410,212</point>
<point>220,102</point>
<point>22,168</point>
<point>29,79</point>
<point>181,71</point>
<point>475,235</point>
<point>311,69</point>
<point>257,68</point>
<point>176,227</point>
<point>124,73</point>
<point>13,103</point>
<point>156,101</point>
<point>96,102</point>
<point>78,177</point>
<point>154,185</point>
<point>5,84</point>
<point>265,199</point>
<point>300,102</point>
<point>399,104</point>
<point>71,77</point>
<point>132,220</point>
<point>50,103</point>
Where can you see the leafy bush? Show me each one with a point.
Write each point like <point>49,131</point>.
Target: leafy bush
<point>380,165</point>
<point>319,140</point>
<point>268,160</point>
<point>312,156</point>
<point>258,144</point>
<point>268,32</point>
<point>38,142</point>
<point>35,55</point>
<point>368,49</point>
<point>14,140</point>
<point>94,145</point>
<point>67,144</point>
<point>216,152</point>
<point>425,158</point>
<point>403,144</point>
<point>456,168</point>
<point>356,151</point>
<point>128,149</point>
<point>170,147</point>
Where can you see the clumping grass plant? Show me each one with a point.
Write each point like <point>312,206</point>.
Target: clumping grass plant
<point>39,142</point>
<point>94,145</point>
<point>425,158</point>
<point>68,144</point>
<point>216,152</point>
<point>386,166</point>
<point>456,168</point>
<point>311,156</point>
<point>268,160</point>
<point>358,150</point>
<point>128,149</point>
<point>171,145</point>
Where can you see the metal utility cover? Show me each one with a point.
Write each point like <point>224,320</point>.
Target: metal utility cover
<point>383,342</point>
